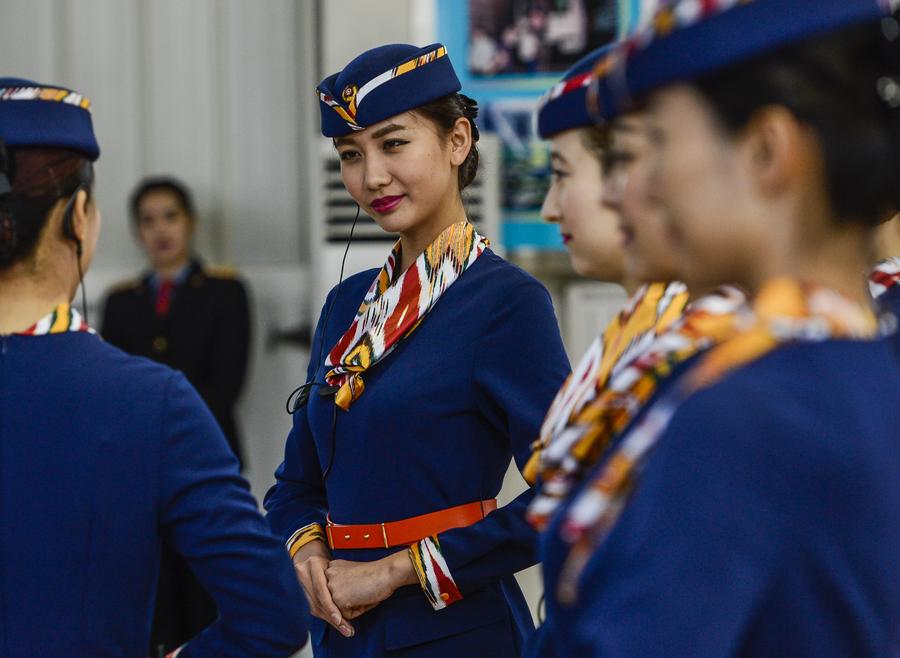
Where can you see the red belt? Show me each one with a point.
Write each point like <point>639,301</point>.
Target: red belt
<point>407,531</point>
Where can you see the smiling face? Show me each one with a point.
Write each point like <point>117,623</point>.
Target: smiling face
<point>164,229</point>
<point>646,233</point>
<point>589,230</point>
<point>403,173</point>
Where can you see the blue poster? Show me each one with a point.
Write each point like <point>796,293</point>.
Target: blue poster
<point>507,53</point>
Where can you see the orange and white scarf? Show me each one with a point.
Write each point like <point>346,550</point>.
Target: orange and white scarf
<point>395,305</point>
<point>631,383</point>
<point>649,311</point>
<point>784,311</point>
<point>63,319</point>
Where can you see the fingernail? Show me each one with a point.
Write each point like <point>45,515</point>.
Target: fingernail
<point>346,630</point>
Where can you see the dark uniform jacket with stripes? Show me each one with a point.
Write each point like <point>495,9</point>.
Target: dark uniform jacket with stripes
<point>206,335</point>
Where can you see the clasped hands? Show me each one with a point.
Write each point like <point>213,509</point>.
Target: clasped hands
<point>340,590</point>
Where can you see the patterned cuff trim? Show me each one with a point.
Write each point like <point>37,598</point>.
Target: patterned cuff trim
<point>303,536</point>
<point>434,576</point>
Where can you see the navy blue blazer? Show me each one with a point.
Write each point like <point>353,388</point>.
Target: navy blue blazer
<point>103,456</point>
<point>436,426</point>
<point>766,522</point>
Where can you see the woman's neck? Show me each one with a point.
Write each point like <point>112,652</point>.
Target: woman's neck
<point>26,298</point>
<point>414,241</point>
<point>631,285</point>
<point>837,258</point>
<point>887,239</point>
<point>169,271</point>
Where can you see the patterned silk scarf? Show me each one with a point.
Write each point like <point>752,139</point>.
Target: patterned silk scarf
<point>394,307</point>
<point>784,311</point>
<point>633,381</point>
<point>64,318</point>
<point>568,441</point>
<point>885,276</point>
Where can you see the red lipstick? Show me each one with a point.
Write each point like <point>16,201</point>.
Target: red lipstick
<point>386,204</point>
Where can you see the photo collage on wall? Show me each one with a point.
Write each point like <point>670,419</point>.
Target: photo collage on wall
<point>514,51</point>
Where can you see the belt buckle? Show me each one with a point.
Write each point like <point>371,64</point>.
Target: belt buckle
<point>328,526</point>
<point>384,535</point>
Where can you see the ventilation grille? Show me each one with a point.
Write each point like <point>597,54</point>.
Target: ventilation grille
<point>480,199</point>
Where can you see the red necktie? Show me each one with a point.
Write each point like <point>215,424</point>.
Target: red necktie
<point>164,298</point>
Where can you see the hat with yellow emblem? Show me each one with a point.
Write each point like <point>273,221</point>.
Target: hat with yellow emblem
<point>688,39</point>
<point>382,83</point>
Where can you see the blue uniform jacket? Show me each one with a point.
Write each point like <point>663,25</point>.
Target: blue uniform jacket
<point>103,456</point>
<point>766,522</point>
<point>436,426</point>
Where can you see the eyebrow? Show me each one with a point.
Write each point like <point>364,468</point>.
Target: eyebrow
<point>390,128</point>
<point>381,132</point>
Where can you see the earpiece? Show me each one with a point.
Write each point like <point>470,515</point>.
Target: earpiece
<point>300,395</point>
<point>68,222</point>
<point>68,229</point>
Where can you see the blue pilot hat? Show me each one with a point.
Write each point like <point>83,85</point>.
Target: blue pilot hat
<point>688,39</point>
<point>564,106</point>
<point>40,115</point>
<point>382,83</point>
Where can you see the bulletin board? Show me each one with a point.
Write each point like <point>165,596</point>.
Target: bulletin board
<point>507,54</point>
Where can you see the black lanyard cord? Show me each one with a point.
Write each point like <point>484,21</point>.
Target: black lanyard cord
<point>300,395</point>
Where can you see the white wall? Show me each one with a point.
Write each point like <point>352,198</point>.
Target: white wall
<point>351,27</point>
<point>213,91</point>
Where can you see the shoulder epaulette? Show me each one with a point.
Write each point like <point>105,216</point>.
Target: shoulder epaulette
<point>220,272</point>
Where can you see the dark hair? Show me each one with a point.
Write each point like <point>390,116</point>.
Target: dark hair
<point>846,87</point>
<point>162,184</point>
<point>39,178</point>
<point>596,140</point>
<point>445,112</point>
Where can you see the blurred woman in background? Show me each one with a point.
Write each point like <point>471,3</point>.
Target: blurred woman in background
<point>195,319</point>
